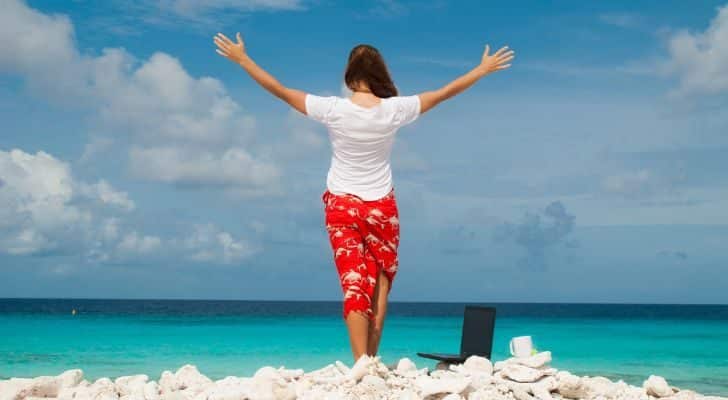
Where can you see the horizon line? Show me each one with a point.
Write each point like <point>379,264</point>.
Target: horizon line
<point>389,302</point>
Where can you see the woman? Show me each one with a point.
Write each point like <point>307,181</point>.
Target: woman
<point>360,207</point>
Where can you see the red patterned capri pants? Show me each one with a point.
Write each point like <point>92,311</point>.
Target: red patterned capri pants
<point>364,238</point>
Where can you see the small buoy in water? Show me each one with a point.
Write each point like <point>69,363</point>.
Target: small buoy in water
<point>73,312</point>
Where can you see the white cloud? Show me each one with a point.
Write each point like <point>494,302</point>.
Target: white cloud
<point>112,243</point>
<point>127,16</point>
<point>104,193</point>
<point>700,59</point>
<point>40,45</point>
<point>210,244</point>
<point>135,243</point>
<point>45,209</point>
<point>167,114</point>
<point>195,7</point>
<point>42,206</point>
<point>204,14</point>
<point>232,167</point>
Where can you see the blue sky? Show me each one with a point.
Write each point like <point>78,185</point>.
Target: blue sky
<point>137,163</point>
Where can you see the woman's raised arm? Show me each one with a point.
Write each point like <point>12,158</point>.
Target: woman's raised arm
<point>490,63</point>
<point>236,52</point>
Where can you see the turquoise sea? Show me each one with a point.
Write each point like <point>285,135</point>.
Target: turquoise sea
<point>687,344</point>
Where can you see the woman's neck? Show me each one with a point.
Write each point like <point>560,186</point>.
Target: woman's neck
<point>364,98</point>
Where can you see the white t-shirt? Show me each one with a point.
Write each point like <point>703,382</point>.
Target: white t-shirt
<point>361,140</point>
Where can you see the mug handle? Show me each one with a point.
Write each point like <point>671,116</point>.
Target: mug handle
<point>510,345</point>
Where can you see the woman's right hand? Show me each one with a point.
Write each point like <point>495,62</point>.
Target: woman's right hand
<point>496,62</point>
<point>233,51</point>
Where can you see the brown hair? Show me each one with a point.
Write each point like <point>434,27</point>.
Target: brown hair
<point>367,65</point>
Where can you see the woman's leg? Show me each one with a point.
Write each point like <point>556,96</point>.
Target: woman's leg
<point>358,289</point>
<point>358,325</point>
<point>382,243</point>
<point>356,271</point>
<point>379,306</point>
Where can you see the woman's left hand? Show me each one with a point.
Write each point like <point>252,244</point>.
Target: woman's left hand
<point>230,50</point>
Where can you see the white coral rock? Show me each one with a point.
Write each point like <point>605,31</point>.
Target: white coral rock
<point>537,360</point>
<point>657,386</point>
<point>375,382</point>
<point>189,377</point>
<point>151,391</point>
<point>479,364</point>
<point>570,386</point>
<point>428,385</point>
<point>405,365</point>
<point>522,373</point>
<point>70,378</point>
<point>128,385</point>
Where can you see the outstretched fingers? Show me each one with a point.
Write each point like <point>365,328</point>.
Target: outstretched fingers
<point>500,51</point>
<point>500,59</point>
<point>505,59</point>
<point>225,39</point>
<point>503,56</point>
<point>221,45</point>
<point>222,41</point>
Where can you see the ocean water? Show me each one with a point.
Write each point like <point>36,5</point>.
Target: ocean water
<point>686,344</point>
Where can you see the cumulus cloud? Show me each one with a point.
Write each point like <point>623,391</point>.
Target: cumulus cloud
<point>167,114</point>
<point>208,243</point>
<point>132,242</point>
<point>113,243</point>
<point>44,208</point>
<point>39,45</point>
<point>700,59</point>
<point>538,232</point>
<point>103,192</point>
<point>189,167</point>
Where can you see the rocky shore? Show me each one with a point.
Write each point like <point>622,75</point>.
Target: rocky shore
<point>528,378</point>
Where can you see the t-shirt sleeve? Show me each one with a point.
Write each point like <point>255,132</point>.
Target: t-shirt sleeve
<point>408,109</point>
<point>319,108</point>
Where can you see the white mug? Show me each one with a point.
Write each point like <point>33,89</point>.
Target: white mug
<point>521,346</point>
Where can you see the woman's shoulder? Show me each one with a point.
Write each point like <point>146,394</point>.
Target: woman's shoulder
<point>319,107</point>
<point>406,108</point>
<point>403,97</point>
<point>323,98</point>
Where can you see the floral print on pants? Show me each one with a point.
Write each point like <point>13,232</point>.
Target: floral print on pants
<point>364,237</point>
